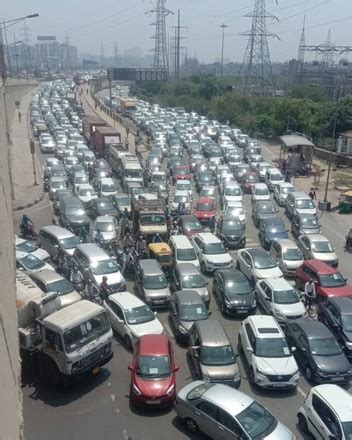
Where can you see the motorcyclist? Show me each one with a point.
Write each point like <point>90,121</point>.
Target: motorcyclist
<point>99,238</point>
<point>104,288</point>
<point>157,238</point>
<point>83,235</point>
<point>125,225</point>
<point>349,238</point>
<point>128,240</point>
<point>77,279</point>
<point>141,247</point>
<point>26,223</point>
<point>92,292</point>
<point>182,208</point>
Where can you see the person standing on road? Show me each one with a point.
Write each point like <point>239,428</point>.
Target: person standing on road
<point>104,288</point>
<point>77,280</point>
<point>19,116</point>
<point>211,224</point>
<point>309,292</point>
<point>127,132</point>
<point>157,238</point>
<point>312,194</point>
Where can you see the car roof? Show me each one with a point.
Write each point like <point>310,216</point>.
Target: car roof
<point>187,269</point>
<point>316,237</point>
<point>153,345</point>
<point>338,399</point>
<point>206,200</point>
<point>187,297</point>
<point>234,275</point>
<point>105,218</point>
<point>256,252</point>
<point>265,326</point>
<point>286,243</point>
<point>212,333</point>
<point>126,300</point>
<point>320,267</point>
<point>46,275</point>
<point>230,399</point>
<point>208,237</point>
<point>278,284</point>
<point>312,328</point>
<point>57,230</point>
<point>152,267</point>
<point>343,303</point>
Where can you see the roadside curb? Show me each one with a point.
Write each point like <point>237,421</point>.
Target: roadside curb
<point>30,204</point>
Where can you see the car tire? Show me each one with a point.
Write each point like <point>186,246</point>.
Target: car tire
<point>302,423</point>
<point>128,342</point>
<point>309,373</point>
<point>251,376</point>
<point>253,281</point>
<point>203,268</point>
<point>191,425</point>
<point>223,308</point>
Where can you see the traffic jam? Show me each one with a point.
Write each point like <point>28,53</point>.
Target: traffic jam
<point>154,227</point>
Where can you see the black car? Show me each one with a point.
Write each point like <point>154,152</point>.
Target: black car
<point>336,313</point>
<point>271,229</point>
<point>234,293</point>
<point>205,178</point>
<point>317,351</point>
<point>73,215</point>
<point>101,206</point>
<point>262,209</point>
<point>186,307</point>
<point>231,231</point>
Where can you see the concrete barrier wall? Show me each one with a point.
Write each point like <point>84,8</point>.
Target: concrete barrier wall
<point>338,159</point>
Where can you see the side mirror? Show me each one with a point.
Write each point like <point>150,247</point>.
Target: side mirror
<point>249,349</point>
<point>130,367</point>
<point>293,349</point>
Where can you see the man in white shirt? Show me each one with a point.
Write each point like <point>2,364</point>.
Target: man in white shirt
<point>309,292</point>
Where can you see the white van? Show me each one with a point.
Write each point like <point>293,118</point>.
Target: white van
<point>182,250</point>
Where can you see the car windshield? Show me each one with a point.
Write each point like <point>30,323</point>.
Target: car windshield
<point>80,180</point>
<point>155,282</point>
<point>207,192</point>
<point>62,286</point>
<point>186,254</point>
<point>323,247</point>
<point>347,430</point>
<point>332,280</point>
<point>271,348</point>
<point>347,322</point>
<point>262,191</point>
<point>31,262</point>
<point>158,178</point>
<point>26,246</point>
<point>214,248</point>
<point>232,192</point>
<point>70,242</point>
<point>286,297</point>
<point>153,367</point>
<point>105,267</point>
<point>264,262</point>
<point>57,184</point>
<point>183,186</point>
<point>256,421</point>
<point>205,207</point>
<point>266,209</point>
<point>232,226</point>
<point>87,331</point>
<point>108,188</point>
<point>105,226</point>
<point>287,189</point>
<point>123,200</point>
<point>275,228</point>
<point>75,211</point>
<point>192,224</point>
<point>275,177</point>
<point>305,204</point>
<point>193,312</point>
<point>86,192</point>
<point>139,315</point>
<point>234,288</point>
<point>324,347</point>
<point>193,281</point>
<point>292,255</point>
<point>217,355</point>
<point>181,199</point>
<point>150,220</point>
<point>310,223</point>
<point>105,206</point>
<point>133,174</point>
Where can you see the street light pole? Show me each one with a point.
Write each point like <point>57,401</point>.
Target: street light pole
<point>223,26</point>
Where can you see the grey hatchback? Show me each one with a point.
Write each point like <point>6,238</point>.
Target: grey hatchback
<point>152,284</point>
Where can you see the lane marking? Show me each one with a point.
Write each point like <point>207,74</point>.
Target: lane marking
<point>113,398</point>
<point>125,434</point>
<point>301,392</point>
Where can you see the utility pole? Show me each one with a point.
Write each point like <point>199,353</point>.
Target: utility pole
<point>178,47</point>
<point>161,58</point>
<point>256,67</point>
<point>26,37</point>
<point>16,57</point>
<point>116,54</point>
<point>223,26</point>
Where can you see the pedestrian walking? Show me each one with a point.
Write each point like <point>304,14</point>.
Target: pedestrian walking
<point>312,194</point>
<point>104,288</point>
<point>19,116</point>
<point>309,292</point>
<point>211,224</point>
<point>127,132</point>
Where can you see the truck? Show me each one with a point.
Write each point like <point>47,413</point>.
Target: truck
<point>104,137</point>
<point>127,104</point>
<point>149,218</point>
<point>60,343</point>
<point>89,124</point>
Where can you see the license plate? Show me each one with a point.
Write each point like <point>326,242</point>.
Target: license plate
<point>242,311</point>
<point>153,402</point>
<point>277,385</point>
<point>96,370</point>
<point>158,301</point>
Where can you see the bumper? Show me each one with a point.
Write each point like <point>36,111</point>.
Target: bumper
<point>240,310</point>
<point>276,382</point>
<point>343,378</point>
<point>213,267</point>
<point>234,242</point>
<point>149,402</point>
<point>90,368</point>
<point>157,303</point>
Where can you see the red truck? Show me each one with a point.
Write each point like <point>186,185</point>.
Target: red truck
<point>103,138</point>
<point>89,124</point>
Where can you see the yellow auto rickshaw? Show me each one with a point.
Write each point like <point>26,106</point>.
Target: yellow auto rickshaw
<point>162,253</point>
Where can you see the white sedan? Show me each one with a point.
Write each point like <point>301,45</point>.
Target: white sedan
<point>86,193</point>
<point>257,264</point>
<point>25,247</point>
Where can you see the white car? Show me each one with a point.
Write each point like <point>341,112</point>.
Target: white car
<point>131,318</point>
<point>278,298</point>
<point>270,361</point>
<point>184,185</point>
<point>280,192</point>
<point>257,264</point>
<point>30,263</point>
<point>107,226</point>
<point>260,192</point>
<point>236,209</point>
<point>273,177</point>
<point>287,255</point>
<point>25,247</point>
<point>181,197</point>
<point>231,193</point>
<point>211,252</point>
<point>327,413</point>
<point>86,193</point>
<point>107,187</point>
<point>318,247</point>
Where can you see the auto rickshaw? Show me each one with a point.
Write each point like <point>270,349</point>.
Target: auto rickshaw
<point>345,204</point>
<point>162,253</point>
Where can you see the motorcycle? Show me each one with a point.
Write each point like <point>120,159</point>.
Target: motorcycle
<point>28,232</point>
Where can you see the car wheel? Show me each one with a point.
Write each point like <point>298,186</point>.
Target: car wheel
<point>191,425</point>
<point>253,281</point>
<point>204,269</point>
<point>128,342</point>
<point>251,376</point>
<point>302,423</point>
<point>309,373</point>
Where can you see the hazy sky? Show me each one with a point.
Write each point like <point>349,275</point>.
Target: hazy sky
<point>124,21</point>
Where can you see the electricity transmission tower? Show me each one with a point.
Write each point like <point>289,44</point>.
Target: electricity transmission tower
<point>256,65</point>
<point>116,54</point>
<point>26,39</point>
<point>161,58</point>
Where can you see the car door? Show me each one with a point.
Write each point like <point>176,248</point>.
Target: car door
<point>247,265</point>
<point>119,319</point>
<point>303,350</point>
<point>261,293</point>
<point>194,351</point>
<point>321,420</point>
<point>304,244</point>
<point>174,313</point>
<point>227,426</point>
<point>219,226</point>
<point>249,343</point>
<point>295,226</point>
<point>205,417</point>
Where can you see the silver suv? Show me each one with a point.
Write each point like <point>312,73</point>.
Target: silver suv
<point>152,284</point>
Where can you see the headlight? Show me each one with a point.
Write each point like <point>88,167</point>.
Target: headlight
<point>170,391</point>
<point>136,390</point>
<point>279,314</point>
<point>227,302</point>
<point>348,345</point>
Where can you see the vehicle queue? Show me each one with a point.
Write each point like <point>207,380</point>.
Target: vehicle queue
<point>193,167</point>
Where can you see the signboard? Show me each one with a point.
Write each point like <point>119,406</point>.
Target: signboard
<point>17,104</point>
<point>112,140</point>
<point>133,74</point>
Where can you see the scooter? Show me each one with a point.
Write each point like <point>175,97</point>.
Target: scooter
<point>28,231</point>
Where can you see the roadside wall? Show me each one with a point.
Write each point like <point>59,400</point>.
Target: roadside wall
<point>10,388</point>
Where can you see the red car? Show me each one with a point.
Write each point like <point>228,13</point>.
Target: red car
<point>248,181</point>
<point>205,209</point>
<point>153,372</point>
<point>328,281</point>
<point>181,172</point>
<point>189,225</point>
